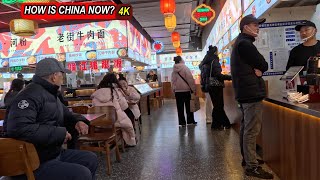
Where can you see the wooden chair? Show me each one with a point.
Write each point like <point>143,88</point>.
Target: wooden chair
<point>17,158</point>
<point>80,109</point>
<point>134,120</point>
<point>102,135</point>
<point>2,114</point>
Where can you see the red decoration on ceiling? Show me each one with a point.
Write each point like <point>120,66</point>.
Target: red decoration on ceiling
<point>179,51</point>
<point>167,6</point>
<point>175,36</point>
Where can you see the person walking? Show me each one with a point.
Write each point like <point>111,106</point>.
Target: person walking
<point>247,67</point>
<point>214,84</point>
<point>183,85</point>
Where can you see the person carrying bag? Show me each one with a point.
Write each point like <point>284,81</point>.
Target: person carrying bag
<point>183,86</point>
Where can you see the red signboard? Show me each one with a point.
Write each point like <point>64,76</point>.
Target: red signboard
<point>83,66</point>
<point>105,64</point>
<point>94,65</point>
<point>117,63</point>
<point>203,14</point>
<point>72,66</point>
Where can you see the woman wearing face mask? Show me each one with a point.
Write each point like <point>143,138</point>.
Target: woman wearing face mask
<point>211,68</point>
<point>183,85</point>
<point>310,47</point>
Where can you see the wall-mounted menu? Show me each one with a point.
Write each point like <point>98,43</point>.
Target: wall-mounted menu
<point>40,57</point>
<point>258,7</point>
<point>22,61</point>
<point>108,53</point>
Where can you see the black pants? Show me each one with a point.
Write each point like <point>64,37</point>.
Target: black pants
<point>183,99</point>
<point>219,117</point>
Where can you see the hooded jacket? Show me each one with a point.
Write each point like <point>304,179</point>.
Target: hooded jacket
<point>103,97</point>
<point>178,84</point>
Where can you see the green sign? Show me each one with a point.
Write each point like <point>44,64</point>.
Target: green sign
<point>203,10</point>
<point>16,68</point>
<point>13,1</point>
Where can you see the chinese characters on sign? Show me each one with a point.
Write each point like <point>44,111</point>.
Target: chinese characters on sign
<point>72,66</point>
<point>203,14</point>
<point>71,36</point>
<point>105,64</point>
<point>83,66</point>
<point>94,65</point>
<point>21,42</point>
<point>117,63</point>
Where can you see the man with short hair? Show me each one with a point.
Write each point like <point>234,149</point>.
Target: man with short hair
<point>300,54</point>
<point>247,67</point>
<point>38,116</point>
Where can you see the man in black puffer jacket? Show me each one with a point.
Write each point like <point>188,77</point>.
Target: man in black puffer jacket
<point>247,67</point>
<point>38,116</point>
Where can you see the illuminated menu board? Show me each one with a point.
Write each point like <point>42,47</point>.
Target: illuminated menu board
<point>258,7</point>
<point>68,38</point>
<point>235,30</point>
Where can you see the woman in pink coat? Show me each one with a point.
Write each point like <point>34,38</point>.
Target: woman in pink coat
<point>108,94</point>
<point>131,95</point>
<point>183,85</point>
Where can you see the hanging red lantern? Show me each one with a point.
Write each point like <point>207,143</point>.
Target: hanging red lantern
<point>175,36</point>
<point>167,6</point>
<point>179,51</point>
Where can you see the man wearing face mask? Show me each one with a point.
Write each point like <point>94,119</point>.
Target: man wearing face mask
<point>39,117</point>
<point>247,67</point>
<point>310,47</point>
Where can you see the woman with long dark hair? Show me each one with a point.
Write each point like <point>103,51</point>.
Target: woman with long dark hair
<point>211,69</point>
<point>16,86</point>
<point>108,94</point>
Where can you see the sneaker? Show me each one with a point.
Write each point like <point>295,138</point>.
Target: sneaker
<point>259,173</point>
<point>243,163</point>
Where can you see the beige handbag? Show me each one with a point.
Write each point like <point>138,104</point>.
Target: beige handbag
<point>194,101</point>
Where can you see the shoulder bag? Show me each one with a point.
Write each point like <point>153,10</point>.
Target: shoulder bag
<point>213,81</point>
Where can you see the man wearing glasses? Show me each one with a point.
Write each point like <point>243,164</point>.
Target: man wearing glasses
<point>310,47</point>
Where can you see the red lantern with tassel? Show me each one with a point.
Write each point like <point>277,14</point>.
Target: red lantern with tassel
<point>167,6</point>
<point>175,36</point>
<point>179,51</point>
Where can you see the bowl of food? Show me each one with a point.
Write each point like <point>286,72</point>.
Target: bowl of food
<point>91,55</point>
<point>32,60</point>
<point>61,57</point>
<point>5,62</point>
<point>122,52</point>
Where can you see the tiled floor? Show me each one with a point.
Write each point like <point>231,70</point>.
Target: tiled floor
<point>167,151</point>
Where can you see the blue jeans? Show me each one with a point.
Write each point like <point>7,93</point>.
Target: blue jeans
<point>69,165</point>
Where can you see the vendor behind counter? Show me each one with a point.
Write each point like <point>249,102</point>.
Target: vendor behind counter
<point>310,47</point>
